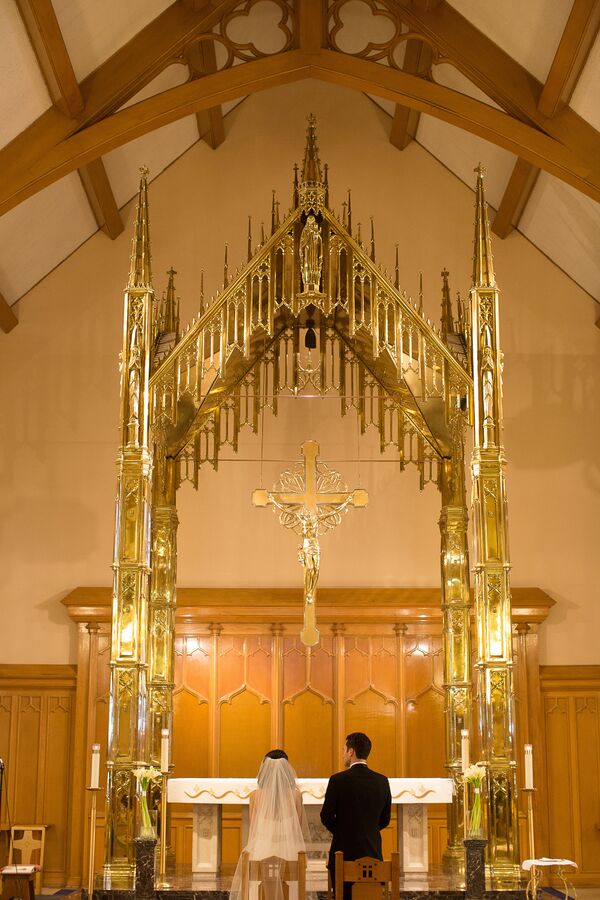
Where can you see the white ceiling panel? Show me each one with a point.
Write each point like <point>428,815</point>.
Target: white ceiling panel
<point>95,30</point>
<point>39,233</point>
<point>461,151</point>
<point>565,225</point>
<point>587,91</point>
<point>24,95</point>
<point>528,31</point>
<point>155,150</point>
<point>451,77</point>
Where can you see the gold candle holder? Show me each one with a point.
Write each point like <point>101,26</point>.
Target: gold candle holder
<point>92,845</point>
<point>534,877</point>
<point>162,882</point>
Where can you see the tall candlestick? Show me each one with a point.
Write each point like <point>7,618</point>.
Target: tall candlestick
<point>464,749</point>
<point>164,750</point>
<point>95,770</point>
<point>528,767</point>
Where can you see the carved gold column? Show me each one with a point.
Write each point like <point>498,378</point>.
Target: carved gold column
<point>161,613</point>
<point>492,587</point>
<point>456,609</point>
<point>127,711</point>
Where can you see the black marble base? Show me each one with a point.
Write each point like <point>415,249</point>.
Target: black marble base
<point>475,867</point>
<point>145,849</point>
<point>405,894</point>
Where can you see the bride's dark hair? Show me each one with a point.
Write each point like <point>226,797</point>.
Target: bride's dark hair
<point>276,754</point>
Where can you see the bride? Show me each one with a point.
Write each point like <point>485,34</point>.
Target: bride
<point>277,824</point>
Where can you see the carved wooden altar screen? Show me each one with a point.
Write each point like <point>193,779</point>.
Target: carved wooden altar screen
<point>183,397</point>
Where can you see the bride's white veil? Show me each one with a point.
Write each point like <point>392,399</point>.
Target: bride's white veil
<point>276,828</point>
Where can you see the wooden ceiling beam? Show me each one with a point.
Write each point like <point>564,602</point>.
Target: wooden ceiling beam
<point>55,63</point>
<point>202,60</point>
<point>52,55</point>
<point>44,152</point>
<point>571,55</point>
<point>417,61</point>
<point>570,58</point>
<point>8,319</point>
<point>311,25</point>
<point>101,198</point>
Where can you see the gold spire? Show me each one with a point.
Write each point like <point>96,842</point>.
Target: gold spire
<point>202,305</point>
<point>483,263</point>
<point>397,273</point>
<point>311,170</point>
<point>249,238</point>
<point>349,212</point>
<point>312,191</point>
<point>169,319</point>
<point>372,239</point>
<point>420,293</point>
<point>447,320</point>
<point>140,273</point>
<point>225,270</point>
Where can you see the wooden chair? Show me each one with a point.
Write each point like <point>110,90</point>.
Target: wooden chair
<point>370,879</point>
<point>270,872</point>
<point>27,844</point>
<point>17,885</point>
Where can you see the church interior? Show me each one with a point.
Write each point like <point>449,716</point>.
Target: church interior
<point>299,375</point>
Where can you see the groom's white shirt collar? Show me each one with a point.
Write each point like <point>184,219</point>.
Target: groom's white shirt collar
<point>358,762</point>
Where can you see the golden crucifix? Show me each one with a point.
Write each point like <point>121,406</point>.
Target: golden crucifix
<point>310,498</point>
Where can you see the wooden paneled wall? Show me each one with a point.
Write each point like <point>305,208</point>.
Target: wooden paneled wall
<point>37,717</point>
<point>571,714</point>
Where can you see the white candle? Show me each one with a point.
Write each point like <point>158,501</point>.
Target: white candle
<point>464,749</point>
<point>528,767</point>
<point>95,770</point>
<point>164,750</point>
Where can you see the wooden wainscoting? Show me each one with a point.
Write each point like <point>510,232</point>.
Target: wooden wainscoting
<point>37,716</point>
<point>571,710</point>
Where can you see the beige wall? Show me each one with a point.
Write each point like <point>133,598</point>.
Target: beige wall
<point>59,391</point>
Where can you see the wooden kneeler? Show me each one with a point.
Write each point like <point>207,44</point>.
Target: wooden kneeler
<point>270,872</point>
<point>371,879</point>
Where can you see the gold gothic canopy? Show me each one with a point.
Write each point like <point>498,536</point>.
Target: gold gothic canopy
<point>312,284</point>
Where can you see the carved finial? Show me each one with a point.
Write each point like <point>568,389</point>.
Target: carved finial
<point>372,239</point>
<point>273,213</point>
<point>460,312</point>
<point>277,219</point>
<point>447,320</point>
<point>397,273</point>
<point>202,306</point>
<point>225,273</point>
<point>345,214</point>
<point>262,233</point>
<point>295,198</point>
<point>483,263</point>
<point>249,238</point>
<point>420,293</point>
<point>170,314</point>
<point>140,273</point>
<point>349,212</point>
<point>358,235</point>
<point>326,167</point>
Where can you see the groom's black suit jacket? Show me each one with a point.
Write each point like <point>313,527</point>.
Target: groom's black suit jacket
<point>357,805</point>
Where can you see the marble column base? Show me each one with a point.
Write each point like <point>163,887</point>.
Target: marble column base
<point>144,868</point>
<point>475,867</point>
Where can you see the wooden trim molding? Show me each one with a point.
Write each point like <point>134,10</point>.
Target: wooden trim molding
<point>284,605</point>
<point>37,676</point>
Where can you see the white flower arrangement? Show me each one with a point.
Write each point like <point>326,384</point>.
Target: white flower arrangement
<point>474,774</point>
<point>145,775</point>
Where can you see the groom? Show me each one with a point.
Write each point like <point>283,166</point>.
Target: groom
<point>357,805</point>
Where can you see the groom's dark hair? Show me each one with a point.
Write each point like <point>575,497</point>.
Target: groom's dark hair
<point>360,743</point>
<point>276,754</point>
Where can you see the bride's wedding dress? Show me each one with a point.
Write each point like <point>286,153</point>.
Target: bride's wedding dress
<point>276,827</point>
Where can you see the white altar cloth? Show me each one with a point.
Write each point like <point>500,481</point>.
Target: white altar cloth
<point>209,794</point>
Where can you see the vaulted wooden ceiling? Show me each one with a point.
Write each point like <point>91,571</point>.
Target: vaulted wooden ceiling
<point>86,79</point>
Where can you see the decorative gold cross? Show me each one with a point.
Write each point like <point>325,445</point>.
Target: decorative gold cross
<point>310,500</point>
